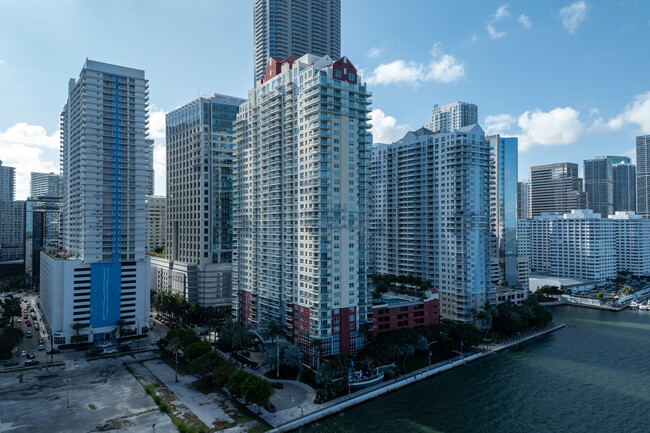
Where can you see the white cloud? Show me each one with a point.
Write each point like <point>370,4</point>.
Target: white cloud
<point>29,148</point>
<point>493,32</point>
<point>156,122</point>
<point>573,15</point>
<point>385,128</point>
<point>637,112</point>
<point>558,126</point>
<point>498,124</point>
<point>524,20</point>
<point>501,12</point>
<point>443,68</point>
<point>374,52</point>
<point>160,168</point>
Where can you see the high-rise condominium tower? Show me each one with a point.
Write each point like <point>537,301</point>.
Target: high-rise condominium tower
<point>599,185</point>
<point>200,152</point>
<point>301,202</point>
<point>503,206</point>
<point>624,186</point>
<point>451,117</point>
<point>44,185</point>
<point>643,175</point>
<point>285,28</point>
<point>430,214</point>
<point>100,279</point>
<point>12,224</point>
<point>555,188</point>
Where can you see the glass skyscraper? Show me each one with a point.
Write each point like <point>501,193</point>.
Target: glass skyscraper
<point>200,151</point>
<point>503,205</point>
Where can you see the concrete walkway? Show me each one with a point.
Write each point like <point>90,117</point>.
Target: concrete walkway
<point>203,406</point>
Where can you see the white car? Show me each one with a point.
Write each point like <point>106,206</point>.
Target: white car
<point>108,351</point>
<point>20,320</point>
<point>23,354</point>
<point>105,344</point>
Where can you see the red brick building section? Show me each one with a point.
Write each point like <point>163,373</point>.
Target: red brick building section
<point>403,312</point>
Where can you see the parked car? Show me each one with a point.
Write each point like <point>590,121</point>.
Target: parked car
<point>40,341</point>
<point>270,407</point>
<point>31,363</point>
<point>41,347</point>
<point>28,334</point>
<point>28,323</point>
<point>10,363</point>
<point>20,320</point>
<point>31,356</point>
<point>277,385</point>
<point>36,327</point>
<point>108,351</point>
<point>23,353</point>
<point>105,344</point>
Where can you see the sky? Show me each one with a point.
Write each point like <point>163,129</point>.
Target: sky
<point>570,79</point>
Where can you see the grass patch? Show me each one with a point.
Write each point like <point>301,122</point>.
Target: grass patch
<point>92,406</point>
<point>20,378</point>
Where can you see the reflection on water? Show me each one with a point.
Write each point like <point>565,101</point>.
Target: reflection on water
<point>594,377</point>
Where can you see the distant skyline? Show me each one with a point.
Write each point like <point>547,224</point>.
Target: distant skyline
<point>568,78</point>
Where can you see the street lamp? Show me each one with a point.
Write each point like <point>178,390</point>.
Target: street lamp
<point>67,381</point>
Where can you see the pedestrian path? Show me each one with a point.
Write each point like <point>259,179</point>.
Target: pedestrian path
<point>203,406</point>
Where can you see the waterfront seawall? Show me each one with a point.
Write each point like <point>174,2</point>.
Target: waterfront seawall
<point>330,408</point>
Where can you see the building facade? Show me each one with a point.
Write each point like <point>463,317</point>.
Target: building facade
<point>100,276</point>
<point>555,188</point>
<point>430,215</point>
<point>301,203</point>
<point>405,312</point>
<point>624,187</point>
<point>643,175</point>
<point>523,199</point>
<point>285,28</point>
<point>200,152</point>
<point>503,207</point>
<point>156,222</point>
<point>585,246</point>
<point>599,185</point>
<point>451,117</point>
<point>42,230</point>
<point>44,185</point>
<point>12,225</point>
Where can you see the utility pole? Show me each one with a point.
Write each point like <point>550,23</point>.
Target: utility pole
<point>67,381</point>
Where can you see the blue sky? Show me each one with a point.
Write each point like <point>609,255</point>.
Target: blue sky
<point>570,79</point>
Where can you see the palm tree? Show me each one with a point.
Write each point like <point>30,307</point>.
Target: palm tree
<point>120,325</point>
<point>315,345</point>
<point>77,327</point>
<point>241,339</point>
<point>274,329</point>
<point>173,346</point>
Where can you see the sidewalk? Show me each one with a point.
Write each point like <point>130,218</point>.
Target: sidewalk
<point>203,406</point>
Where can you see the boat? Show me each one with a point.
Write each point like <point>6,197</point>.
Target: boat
<point>634,305</point>
<point>645,306</point>
<point>358,380</point>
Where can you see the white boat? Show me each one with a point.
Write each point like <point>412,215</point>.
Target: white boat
<point>634,305</point>
<point>644,306</point>
<point>358,380</point>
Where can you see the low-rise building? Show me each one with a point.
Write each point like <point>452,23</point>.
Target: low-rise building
<point>512,294</point>
<point>397,311</point>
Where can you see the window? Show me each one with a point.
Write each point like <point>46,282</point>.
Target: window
<point>352,77</point>
<point>337,74</point>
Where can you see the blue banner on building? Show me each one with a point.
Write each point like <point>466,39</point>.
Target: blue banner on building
<point>105,290</point>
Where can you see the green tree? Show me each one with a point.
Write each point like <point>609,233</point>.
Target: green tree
<point>235,382</point>
<point>173,346</point>
<point>275,330</point>
<point>221,374</point>
<point>204,366</point>
<point>121,324</point>
<point>77,327</point>
<point>11,308</point>
<point>197,349</point>
<point>256,390</point>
